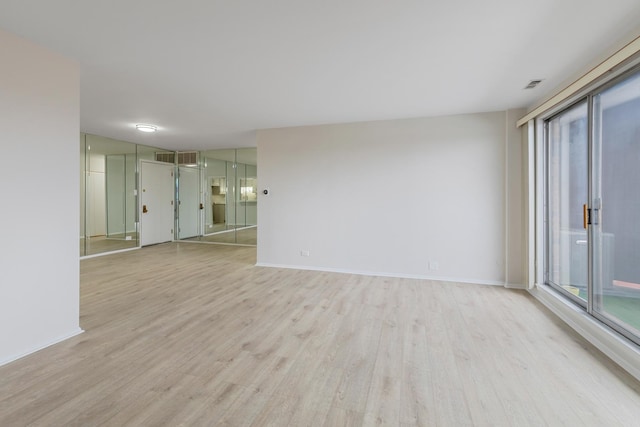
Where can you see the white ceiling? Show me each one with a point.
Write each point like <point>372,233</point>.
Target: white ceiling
<point>211,72</point>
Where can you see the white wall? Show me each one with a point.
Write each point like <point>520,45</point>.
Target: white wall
<point>515,201</point>
<point>39,127</point>
<point>419,197</point>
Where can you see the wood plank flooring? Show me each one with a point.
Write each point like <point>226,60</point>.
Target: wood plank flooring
<point>241,236</point>
<point>186,334</point>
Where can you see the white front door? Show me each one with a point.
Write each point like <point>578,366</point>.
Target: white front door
<point>156,202</point>
<point>188,203</point>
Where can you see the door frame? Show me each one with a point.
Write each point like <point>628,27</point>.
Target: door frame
<point>595,235</point>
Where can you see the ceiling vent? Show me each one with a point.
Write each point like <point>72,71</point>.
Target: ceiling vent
<point>188,158</point>
<point>165,156</point>
<point>185,158</point>
<point>532,84</point>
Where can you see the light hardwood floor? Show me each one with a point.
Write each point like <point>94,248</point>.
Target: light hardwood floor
<point>195,335</point>
<point>101,244</point>
<point>242,236</point>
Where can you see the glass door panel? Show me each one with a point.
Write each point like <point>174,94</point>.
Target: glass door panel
<point>567,193</point>
<point>617,185</point>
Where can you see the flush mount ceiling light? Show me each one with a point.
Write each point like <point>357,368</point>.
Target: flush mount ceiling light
<point>147,128</point>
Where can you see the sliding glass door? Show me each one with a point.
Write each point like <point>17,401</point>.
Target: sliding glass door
<point>568,192</point>
<point>616,284</point>
<point>593,204</point>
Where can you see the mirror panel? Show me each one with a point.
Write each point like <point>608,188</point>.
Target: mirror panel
<point>229,196</point>
<point>108,193</point>
<point>109,196</point>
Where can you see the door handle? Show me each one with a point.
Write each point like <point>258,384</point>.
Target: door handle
<point>585,216</point>
<point>201,206</point>
<point>144,209</point>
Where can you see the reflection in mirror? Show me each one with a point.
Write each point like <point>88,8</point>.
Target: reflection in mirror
<point>146,152</point>
<point>108,205</point>
<point>229,196</point>
<point>189,205</point>
<point>108,193</point>
<point>83,189</point>
<point>247,196</point>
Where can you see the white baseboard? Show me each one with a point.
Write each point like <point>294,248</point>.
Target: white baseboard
<point>48,344</point>
<point>383,274</point>
<point>215,243</point>
<point>109,253</point>
<point>617,348</point>
<point>515,286</point>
